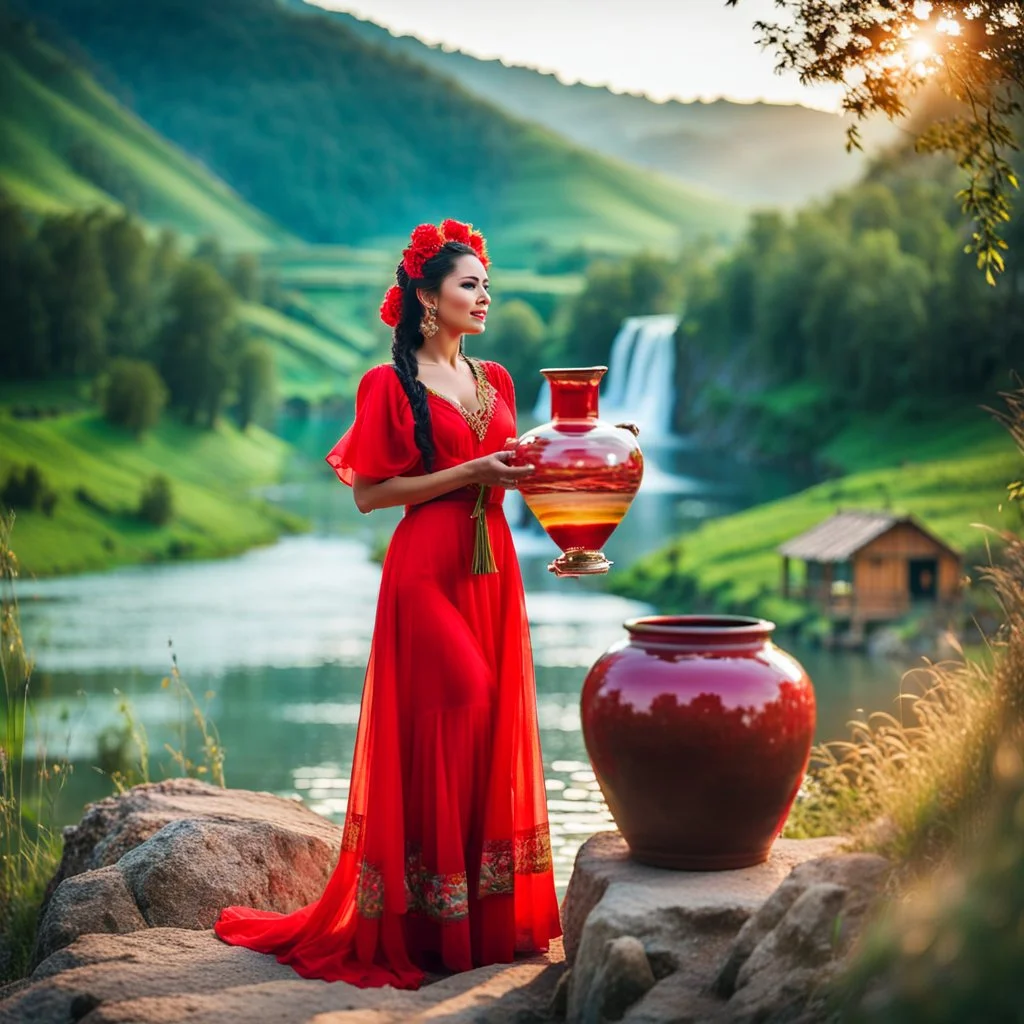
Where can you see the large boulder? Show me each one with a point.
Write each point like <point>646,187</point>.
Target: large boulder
<point>682,921</point>
<point>784,956</point>
<point>170,975</point>
<point>172,854</point>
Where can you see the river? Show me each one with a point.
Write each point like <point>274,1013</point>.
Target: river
<point>273,643</point>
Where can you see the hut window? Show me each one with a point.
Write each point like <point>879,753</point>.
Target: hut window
<point>842,578</point>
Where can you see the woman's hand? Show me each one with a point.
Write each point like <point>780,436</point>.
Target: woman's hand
<point>494,471</point>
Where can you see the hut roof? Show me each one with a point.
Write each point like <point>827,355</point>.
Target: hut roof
<point>842,535</point>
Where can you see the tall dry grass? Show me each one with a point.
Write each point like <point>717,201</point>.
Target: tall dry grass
<point>29,847</point>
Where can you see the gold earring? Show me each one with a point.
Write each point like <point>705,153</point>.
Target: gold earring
<point>428,325</point>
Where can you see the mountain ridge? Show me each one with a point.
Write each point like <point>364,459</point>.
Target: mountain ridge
<point>369,142</point>
<point>798,152</point>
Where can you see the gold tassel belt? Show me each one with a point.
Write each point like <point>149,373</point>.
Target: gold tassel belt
<point>478,496</point>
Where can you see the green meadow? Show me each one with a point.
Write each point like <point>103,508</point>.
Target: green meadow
<point>98,471</point>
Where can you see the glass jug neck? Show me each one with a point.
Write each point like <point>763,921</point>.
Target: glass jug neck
<point>574,391</point>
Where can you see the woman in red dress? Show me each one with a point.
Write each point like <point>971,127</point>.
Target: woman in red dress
<point>445,855</point>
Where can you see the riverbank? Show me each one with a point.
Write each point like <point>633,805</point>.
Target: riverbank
<point>97,473</point>
<point>952,479</point>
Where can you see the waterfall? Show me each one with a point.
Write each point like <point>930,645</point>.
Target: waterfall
<point>640,383</point>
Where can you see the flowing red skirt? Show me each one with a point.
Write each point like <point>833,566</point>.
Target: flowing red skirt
<point>445,857</point>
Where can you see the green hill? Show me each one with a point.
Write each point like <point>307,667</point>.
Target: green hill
<point>98,472</point>
<point>951,479</point>
<point>346,142</point>
<point>68,144</point>
<point>757,153</point>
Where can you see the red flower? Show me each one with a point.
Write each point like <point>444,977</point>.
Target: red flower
<point>455,231</point>
<point>391,307</point>
<point>425,243</point>
<point>479,246</point>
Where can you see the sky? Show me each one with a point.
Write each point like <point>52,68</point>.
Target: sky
<point>686,49</point>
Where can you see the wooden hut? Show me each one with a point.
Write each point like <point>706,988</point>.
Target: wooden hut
<point>871,566</point>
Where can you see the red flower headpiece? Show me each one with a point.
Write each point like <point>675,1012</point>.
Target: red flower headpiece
<point>426,242</point>
<point>391,307</point>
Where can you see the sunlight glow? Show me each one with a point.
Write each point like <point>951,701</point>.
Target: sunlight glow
<point>920,49</point>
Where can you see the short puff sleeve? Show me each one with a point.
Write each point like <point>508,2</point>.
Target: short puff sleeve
<point>380,443</point>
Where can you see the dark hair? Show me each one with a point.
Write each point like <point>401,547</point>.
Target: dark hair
<point>407,338</point>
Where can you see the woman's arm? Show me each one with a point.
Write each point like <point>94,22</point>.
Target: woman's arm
<point>490,470</point>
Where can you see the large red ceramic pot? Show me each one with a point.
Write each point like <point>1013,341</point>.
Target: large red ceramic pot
<point>699,729</point>
<point>587,472</point>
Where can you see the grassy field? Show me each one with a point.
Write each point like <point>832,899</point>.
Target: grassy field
<point>211,472</point>
<point>950,478</point>
<point>68,145</point>
<point>310,362</point>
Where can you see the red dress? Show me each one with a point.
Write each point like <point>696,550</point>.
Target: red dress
<point>445,854</point>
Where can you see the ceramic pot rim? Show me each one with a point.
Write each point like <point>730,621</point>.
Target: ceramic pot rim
<point>575,374</point>
<point>713,630</point>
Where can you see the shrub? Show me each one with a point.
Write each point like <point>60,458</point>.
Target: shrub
<point>132,395</point>
<point>26,488</point>
<point>156,505</point>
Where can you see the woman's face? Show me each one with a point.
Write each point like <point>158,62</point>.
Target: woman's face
<point>463,300</point>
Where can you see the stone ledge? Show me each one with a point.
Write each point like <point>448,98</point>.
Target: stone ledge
<point>685,920</point>
<point>603,861</point>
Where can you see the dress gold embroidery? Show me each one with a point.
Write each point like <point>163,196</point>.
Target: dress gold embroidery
<point>486,393</point>
<point>496,868</point>
<point>353,832</point>
<point>528,854</point>
<point>369,890</point>
<point>533,850</point>
<point>443,896</point>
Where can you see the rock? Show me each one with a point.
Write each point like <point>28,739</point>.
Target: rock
<point>560,997</point>
<point>96,901</point>
<point>170,975</point>
<point>174,853</point>
<point>795,943</point>
<point>625,977</point>
<point>685,920</point>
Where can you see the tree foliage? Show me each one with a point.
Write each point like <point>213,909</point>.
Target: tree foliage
<point>26,487</point>
<point>195,346</point>
<point>865,295</point>
<point>886,52</point>
<point>256,383</point>
<point>612,291</point>
<point>86,294</point>
<point>156,503</point>
<point>133,395</point>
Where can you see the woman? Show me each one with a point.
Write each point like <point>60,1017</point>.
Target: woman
<point>445,856</point>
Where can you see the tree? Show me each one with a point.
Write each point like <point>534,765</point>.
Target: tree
<point>885,52</point>
<point>245,277</point>
<point>640,285</point>
<point>156,503</point>
<point>25,337</point>
<point>128,259</point>
<point>196,344</point>
<point>27,488</point>
<point>78,294</point>
<point>256,383</point>
<point>133,395</point>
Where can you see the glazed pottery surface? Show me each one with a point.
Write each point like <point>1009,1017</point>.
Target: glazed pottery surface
<point>587,472</point>
<point>699,730</point>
